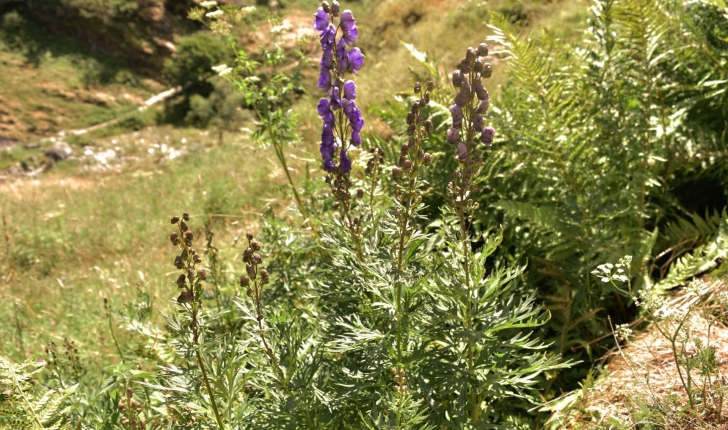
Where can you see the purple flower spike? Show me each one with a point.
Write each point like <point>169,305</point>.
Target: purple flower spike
<point>487,136</point>
<point>321,20</point>
<point>345,162</point>
<point>350,90</point>
<point>356,59</point>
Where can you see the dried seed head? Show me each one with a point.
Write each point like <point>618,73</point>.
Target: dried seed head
<point>418,87</point>
<point>175,219</point>
<point>174,238</point>
<point>189,235</point>
<point>427,159</point>
<point>250,270</point>
<point>202,274</point>
<point>256,258</point>
<point>360,193</point>
<point>264,277</point>
<point>483,49</point>
<point>186,216</point>
<point>255,245</point>
<point>249,235</point>
<point>181,280</point>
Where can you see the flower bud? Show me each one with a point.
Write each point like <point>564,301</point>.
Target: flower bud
<point>410,118</point>
<point>418,87</point>
<point>478,65</point>
<point>335,8</point>
<point>183,226</point>
<point>404,149</point>
<point>426,98</point>
<point>416,106</point>
<point>462,151</point>
<point>244,281</point>
<point>430,86</point>
<point>189,235</point>
<point>461,99</point>
<point>336,205</point>
<point>360,193</point>
<point>427,159</point>
<point>255,245</point>
<point>464,66</point>
<point>465,87</point>
<point>483,49</point>
<point>396,173</point>
<point>487,136</point>
<point>483,106</point>
<point>478,123</point>
<point>264,277</point>
<point>178,262</point>
<point>181,280</point>
<point>246,254</point>
<point>457,78</point>
<point>249,235</point>
<point>202,274</point>
<point>411,129</point>
<point>471,54</point>
<point>452,135</point>
<point>250,270</point>
<point>480,91</point>
<point>186,216</point>
<point>487,70</point>
<point>175,219</point>
<point>174,238</point>
<point>428,125</point>
<point>407,165</point>
<point>197,258</point>
<point>421,154</point>
<point>325,6</point>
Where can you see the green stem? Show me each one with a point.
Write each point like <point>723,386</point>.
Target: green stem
<point>201,364</point>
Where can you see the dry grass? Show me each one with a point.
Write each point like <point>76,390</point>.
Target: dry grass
<point>642,388</point>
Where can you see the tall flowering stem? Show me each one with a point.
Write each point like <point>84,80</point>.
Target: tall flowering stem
<point>469,134</point>
<point>408,190</point>
<point>190,298</point>
<point>342,119</point>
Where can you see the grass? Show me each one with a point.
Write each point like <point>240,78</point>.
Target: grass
<point>76,238</point>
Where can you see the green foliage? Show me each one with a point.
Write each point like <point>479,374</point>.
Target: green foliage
<point>196,56</point>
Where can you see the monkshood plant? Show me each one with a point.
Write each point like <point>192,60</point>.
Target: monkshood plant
<point>423,334</point>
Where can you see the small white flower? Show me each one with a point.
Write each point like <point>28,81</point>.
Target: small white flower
<point>249,9</point>
<point>208,4</point>
<point>214,13</point>
<point>605,280</point>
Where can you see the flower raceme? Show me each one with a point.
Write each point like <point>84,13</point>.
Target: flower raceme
<point>342,119</point>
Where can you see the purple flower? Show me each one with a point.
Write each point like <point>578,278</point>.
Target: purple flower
<point>328,37</point>
<point>324,78</point>
<point>327,59</point>
<point>342,56</point>
<point>327,153</point>
<point>321,20</point>
<point>353,114</point>
<point>457,115</point>
<point>347,20</point>
<point>324,107</point>
<point>487,136</point>
<point>351,35</point>
<point>461,99</point>
<point>356,60</point>
<point>345,162</point>
<point>355,138</point>
<point>350,90</point>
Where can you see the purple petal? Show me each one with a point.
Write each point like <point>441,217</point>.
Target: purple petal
<point>342,56</point>
<point>457,115</point>
<point>452,135</point>
<point>321,20</point>
<point>327,59</point>
<point>351,35</point>
<point>487,136</point>
<point>355,138</point>
<point>347,20</point>
<point>324,107</point>
<point>462,151</point>
<point>324,79</point>
<point>356,59</point>
<point>350,90</point>
<point>479,123</point>
<point>345,162</point>
<point>328,37</point>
